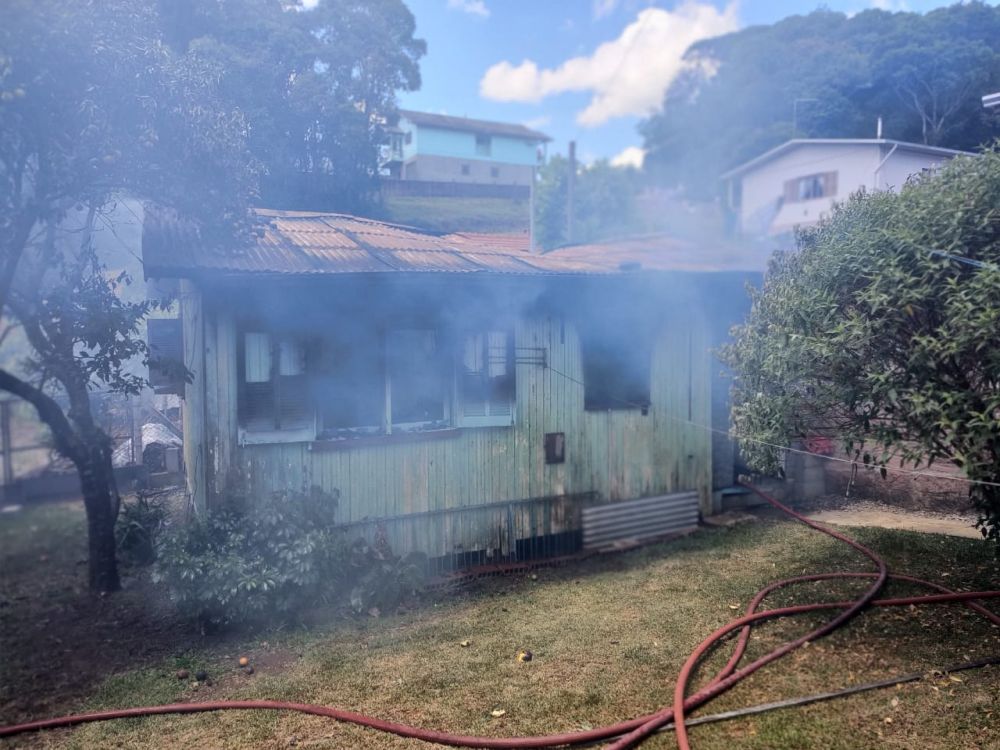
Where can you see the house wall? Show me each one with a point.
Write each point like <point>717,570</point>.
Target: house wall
<point>899,167</point>
<point>617,454</point>
<point>429,141</point>
<point>449,169</point>
<point>763,211</point>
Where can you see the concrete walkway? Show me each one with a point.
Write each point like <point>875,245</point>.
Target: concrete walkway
<point>897,518</point>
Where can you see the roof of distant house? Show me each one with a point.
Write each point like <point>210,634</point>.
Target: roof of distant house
<point>466,124</point>
<point>311,243</point>
<point>664,252</point>
<point>799,142</point>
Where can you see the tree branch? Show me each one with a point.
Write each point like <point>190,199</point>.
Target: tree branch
<point>49,412</point>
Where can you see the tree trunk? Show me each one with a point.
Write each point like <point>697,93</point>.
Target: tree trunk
<point>100,500</point>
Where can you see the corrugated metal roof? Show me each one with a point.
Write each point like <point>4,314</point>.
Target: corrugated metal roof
<point>799,142</point>
<point>662,252</point>
<point>467,124</point>
<point>304,243</point>
<point>317,243</point>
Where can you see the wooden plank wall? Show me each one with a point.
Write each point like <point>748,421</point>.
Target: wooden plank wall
<point>618,454</point>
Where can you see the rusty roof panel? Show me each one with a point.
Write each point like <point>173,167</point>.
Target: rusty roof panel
<point>316,243</point>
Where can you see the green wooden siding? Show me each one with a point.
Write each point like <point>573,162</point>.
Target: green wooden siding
<point>617,454</point>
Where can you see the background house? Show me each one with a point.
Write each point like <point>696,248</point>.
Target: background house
<point>473,399</point>
<point>441,148</point>
<point>797,183</point>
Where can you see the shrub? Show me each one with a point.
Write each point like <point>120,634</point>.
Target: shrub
<point>139,525</point>
<point>276,557</point>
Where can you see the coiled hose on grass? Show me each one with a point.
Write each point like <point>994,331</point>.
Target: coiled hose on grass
<point>628,733</point>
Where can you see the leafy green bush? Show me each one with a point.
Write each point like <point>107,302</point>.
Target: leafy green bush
<point>139,525</point>
<point>276,557</point>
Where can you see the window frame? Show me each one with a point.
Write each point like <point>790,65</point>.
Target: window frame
<point>486,419</point>
<point>300,430</point>
<point>796,192</point>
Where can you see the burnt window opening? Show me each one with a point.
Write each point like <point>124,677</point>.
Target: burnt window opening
<point>349,389</point>
<point>555,447</point>
<point>416,382</point>
<point>616,369</point>
<point>486,379</point>
<point>273,383</point>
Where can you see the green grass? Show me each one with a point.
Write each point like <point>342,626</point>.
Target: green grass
<point>458,214</point>
<point>608,636</point>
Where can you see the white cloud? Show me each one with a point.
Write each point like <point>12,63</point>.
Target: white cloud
<point>604,7</point>
<point>627,76</point>
<point>473,7</point>
<point>631,156</point>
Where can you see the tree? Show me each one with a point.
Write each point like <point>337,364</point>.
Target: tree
<point>738,94</point>
<point>881,330</point>
<point>603,202</point>
<point>93,106</point>
<point>317,87</point>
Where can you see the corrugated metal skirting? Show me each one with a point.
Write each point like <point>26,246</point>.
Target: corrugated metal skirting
<point>646,518</point>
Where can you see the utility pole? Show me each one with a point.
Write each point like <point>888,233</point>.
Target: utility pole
<point>570,185</point>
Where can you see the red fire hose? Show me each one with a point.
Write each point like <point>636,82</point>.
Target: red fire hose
<point>629,733</point>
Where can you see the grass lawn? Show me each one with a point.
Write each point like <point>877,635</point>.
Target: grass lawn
<point>608,636</point>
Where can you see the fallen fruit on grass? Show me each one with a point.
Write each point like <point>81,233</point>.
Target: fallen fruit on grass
<point>524,655</point>
<point>496,713</point>
<point>201,675</point>
<point>182,674</point>
<point>244,661</point>
<point>465,644</point>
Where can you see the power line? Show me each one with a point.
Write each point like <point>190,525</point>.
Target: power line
<point>738,436</point>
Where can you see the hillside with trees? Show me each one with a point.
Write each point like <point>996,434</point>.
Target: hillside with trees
<point>834,76</point>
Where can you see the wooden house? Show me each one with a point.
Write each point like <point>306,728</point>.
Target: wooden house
<point>476,401</point>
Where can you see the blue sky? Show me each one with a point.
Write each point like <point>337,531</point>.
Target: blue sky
<point>577,69</point>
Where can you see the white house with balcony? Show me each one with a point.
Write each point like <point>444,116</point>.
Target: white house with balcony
<point>797,183</point>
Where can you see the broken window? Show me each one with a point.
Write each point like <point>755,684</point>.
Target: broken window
<point>486,379</point>
<point>616,369</point>
<point>274,388</point>
<point>417,390</point>
<point>350,387</point>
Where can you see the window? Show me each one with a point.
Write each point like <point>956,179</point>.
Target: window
<point>416,378</point>
<point>484,145</point>
<point>350,387</point>
<point>274,387</point>
<point>486,379</point>
<point>811,187</point>
<point>367,381</point>
<point>465,169</point>
<point>616,370</point>
<point>408,138</point>
<point>495,172</point>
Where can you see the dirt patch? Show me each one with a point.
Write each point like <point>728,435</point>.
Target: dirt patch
<point>890,517</point>
<point>948,493</point>
<point>58,640</point>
